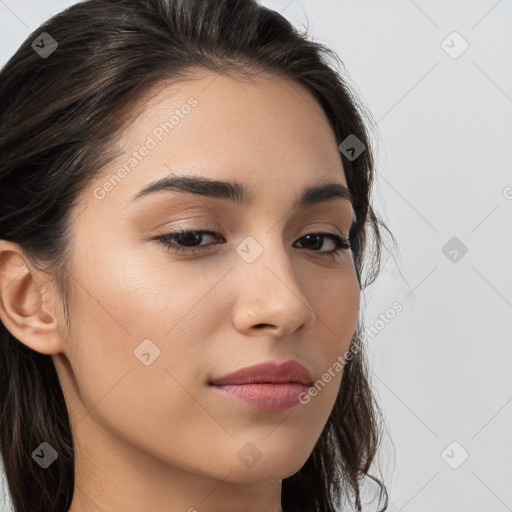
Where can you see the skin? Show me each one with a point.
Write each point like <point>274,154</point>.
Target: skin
<point>157,437</point>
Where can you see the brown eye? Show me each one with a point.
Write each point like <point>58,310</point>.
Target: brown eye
<point>314,242</point>
<point>185,240</point>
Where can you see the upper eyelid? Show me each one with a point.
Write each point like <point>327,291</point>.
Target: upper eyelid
<point>198,211</point>
<point>201,223</point>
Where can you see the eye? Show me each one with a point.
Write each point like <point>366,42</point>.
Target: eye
<point>189,241</point>
<point>317,240</point>
<point>185,240</point>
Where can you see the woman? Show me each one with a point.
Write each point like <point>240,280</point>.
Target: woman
<point>184,213</point>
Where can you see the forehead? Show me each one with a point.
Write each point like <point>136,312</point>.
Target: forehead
<point>265,132</point>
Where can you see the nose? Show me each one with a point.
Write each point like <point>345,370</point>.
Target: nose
<point>269,295</point>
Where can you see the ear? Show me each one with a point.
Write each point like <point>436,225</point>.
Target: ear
<point>27,302</point>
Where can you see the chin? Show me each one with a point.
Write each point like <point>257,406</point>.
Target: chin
<point>268,464</point>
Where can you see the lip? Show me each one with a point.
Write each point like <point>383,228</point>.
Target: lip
<point>271,372</point>
<point>265,397</point>
<point>269,386</point>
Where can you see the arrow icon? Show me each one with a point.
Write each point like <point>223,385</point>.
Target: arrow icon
<point>454,249</point>
<point>143,354</point>
<point>249,253</point>
<point>454,45</point>
<point>249,454</point>
<point>454,455</point>
<point>351,147</point>
<point>44,455</point>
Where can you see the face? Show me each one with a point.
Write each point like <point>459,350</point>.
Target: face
<point>151,325</point>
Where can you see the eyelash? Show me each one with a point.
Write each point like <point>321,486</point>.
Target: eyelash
<point>342,243</point>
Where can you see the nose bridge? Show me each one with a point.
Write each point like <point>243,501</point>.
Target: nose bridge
<point>269,291</point>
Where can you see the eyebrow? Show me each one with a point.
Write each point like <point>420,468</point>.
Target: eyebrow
<point>234,191</point>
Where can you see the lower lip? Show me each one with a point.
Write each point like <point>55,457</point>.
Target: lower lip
<point>266,396</point>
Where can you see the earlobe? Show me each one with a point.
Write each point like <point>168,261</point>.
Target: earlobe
<point>22,301</point>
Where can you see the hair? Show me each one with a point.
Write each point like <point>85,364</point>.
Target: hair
<point>60,117</point>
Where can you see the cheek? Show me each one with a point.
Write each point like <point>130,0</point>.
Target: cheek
<point>134,294</point>
<point>138,331</point>
<point>336,300</point>
<point>152,406</point>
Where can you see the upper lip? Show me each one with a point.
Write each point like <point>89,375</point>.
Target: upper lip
<point>268,372</point>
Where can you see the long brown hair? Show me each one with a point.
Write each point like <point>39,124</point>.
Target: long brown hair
<point>60,114</point>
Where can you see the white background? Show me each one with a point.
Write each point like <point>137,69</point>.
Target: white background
<point>441,366</point>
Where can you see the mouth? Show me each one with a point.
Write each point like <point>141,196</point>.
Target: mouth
<point>268,386</point>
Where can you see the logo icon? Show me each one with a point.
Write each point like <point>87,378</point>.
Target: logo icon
<point>44,45</point>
